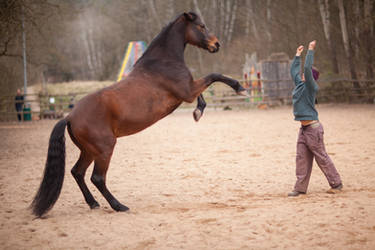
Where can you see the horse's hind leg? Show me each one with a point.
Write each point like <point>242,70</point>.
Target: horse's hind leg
<point>201,105</point>
<point>78,172</point>
<point>99,179</point>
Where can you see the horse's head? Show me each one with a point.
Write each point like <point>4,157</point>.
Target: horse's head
<point>197,33</point>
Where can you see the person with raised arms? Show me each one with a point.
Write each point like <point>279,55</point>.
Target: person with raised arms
<point>310,142</point>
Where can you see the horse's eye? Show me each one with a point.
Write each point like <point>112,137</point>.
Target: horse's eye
<point>201,26</point>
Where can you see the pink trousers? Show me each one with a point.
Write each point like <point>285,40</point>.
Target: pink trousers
<point>310,145</point>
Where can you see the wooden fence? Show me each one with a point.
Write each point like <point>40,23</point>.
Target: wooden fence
<point>347,91</point>
<point>331,91</point>
<point>38,106</point>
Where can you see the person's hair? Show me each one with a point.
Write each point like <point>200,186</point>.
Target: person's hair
<point>315,73</point>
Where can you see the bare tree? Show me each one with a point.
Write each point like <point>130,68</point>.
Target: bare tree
<point>170,9</point>
<point>346,41</point>
<point>198,10</point>
<point>369,42</point>
<point>232,20</point>
<point>268,22</point>
<point>252,13</point>
<point>325,14</point>
<point>248,16</point>
<point>10,25</point>
<point>200,59</point>
<point>214,17</point>
<point>64,40</point>
<point>154,13</point>
<point>228,13</point>
<point>357,30</point>
<point>36,15</point>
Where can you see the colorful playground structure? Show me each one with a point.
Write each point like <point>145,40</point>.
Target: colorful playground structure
<point>133,52</point>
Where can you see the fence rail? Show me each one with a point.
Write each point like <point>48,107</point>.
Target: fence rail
<point>38,106</point>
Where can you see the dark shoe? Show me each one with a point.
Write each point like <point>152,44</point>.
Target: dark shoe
<point>335,190</point>
<point>295,193</point>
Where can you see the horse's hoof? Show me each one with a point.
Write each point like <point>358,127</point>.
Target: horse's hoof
<point>197,114</point>
<point>120,208</point>
<point>94,205</point>
<point>243,93</point>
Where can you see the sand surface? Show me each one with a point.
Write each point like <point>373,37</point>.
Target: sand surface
<point>221,183</point>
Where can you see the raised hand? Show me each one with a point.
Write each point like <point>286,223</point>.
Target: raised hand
<point>312,45</point>
<point>299,50</point>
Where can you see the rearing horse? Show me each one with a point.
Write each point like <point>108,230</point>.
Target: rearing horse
<point>158,84</point>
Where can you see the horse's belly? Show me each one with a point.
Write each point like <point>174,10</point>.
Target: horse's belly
<point>141,117</point>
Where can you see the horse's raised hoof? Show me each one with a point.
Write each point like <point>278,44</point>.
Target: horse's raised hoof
<point>94,205</point>
<point>243,93</point>
<point>197,114</point>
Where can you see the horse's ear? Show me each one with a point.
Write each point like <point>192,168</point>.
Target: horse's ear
<point>190,16</point>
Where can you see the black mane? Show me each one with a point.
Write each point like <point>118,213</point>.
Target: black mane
<point>162,36</point>
<point>161,40</point>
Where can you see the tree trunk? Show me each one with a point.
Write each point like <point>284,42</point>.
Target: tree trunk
<point>198,11</point>
<point>357,32</point>
<point>254,26</point>
<point>222,19</point>
<point>247,22</point>
<point>268,18</point>
<point>214,17</point>
<point>232,21</point>
<point>154,13</point>
<point>346,41</point>
<point>325,14</point>
<point>200,59</point>
<point>369,35</point>
<point>170,9</point>
<point>85,42</point>
<point>147,22</point>
<point>251,15</point>
<point>301,9</point>
<point>93,50</point>
<point>227,20</point>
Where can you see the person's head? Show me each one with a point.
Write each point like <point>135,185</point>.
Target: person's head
<point>315,73</point>
<point>18,91</point>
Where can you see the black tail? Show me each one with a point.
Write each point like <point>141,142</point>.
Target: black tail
<point>54,171</point>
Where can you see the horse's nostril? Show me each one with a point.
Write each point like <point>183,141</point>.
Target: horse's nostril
<point>217,44</point>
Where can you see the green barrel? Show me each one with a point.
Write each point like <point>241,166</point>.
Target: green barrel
<point>26,114</point>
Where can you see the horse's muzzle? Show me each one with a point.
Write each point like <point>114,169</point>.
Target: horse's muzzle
<point>213,48</point>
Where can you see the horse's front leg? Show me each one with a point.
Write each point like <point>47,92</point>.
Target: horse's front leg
<point>201,84</point>
<point>201,105</point>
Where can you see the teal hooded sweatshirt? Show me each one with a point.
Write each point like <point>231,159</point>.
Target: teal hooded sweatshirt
<point>304,93</point>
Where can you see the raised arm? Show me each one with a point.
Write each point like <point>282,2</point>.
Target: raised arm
<point>308,65</point>
<point>296,66</point>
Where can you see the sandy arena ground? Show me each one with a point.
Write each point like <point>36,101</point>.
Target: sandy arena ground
<point>221,183</point>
